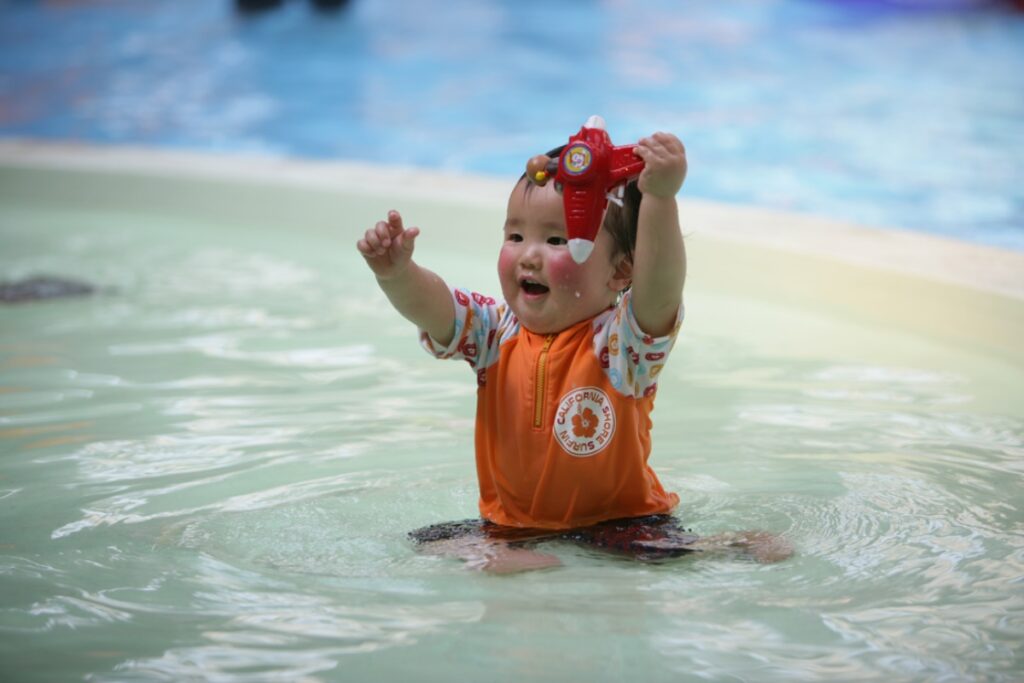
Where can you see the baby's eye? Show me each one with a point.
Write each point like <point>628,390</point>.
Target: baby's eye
<point>514,237</point>
<point>558,241</point>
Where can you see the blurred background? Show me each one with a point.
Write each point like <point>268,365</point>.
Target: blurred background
<point>900,113</point>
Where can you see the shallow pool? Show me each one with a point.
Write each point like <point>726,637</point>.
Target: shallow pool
<point>209,468</point>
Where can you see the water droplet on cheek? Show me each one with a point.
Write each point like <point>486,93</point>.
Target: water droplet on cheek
<point>577,295</point>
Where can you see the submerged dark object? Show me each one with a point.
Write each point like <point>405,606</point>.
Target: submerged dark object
<point>256,5</point>
<point>249,6</point>
<point>42,287</point>
<point>329,4</point>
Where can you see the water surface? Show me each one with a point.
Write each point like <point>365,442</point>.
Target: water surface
<point>904,114</point>
<point>209,469</point>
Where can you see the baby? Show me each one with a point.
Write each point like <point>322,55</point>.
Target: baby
<point>566,366</point>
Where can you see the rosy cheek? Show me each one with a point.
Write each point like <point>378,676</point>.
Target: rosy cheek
<point>563,271</point>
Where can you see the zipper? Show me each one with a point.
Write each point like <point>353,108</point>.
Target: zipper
<point>541,378</point>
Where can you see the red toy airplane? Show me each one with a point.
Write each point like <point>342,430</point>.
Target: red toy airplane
<point>589,168</point>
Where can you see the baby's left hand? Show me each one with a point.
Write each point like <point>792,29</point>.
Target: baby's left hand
<point>665,165</point>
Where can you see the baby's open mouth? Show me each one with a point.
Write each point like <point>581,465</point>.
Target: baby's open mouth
<point>533,287</point>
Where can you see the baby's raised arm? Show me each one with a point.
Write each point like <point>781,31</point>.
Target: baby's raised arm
<point>420,295</point>
<point>659,259</point>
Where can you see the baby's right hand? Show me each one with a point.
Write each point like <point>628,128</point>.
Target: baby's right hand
<point>387,247</point>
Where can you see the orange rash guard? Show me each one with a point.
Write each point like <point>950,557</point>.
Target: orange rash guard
<point>563,420</point>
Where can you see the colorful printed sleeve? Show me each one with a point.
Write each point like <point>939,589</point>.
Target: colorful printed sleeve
<point>481,324</point>
<point>631,359</point>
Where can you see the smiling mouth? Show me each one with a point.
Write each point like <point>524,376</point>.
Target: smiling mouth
<point>533,287</point>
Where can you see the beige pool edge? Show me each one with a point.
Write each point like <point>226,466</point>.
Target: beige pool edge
<point>974,266</point>
<point>947,293</point>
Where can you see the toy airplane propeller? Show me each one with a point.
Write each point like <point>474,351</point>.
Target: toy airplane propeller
<point>587,172</point>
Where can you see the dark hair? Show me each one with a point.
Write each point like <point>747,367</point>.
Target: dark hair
<point>619,221</point>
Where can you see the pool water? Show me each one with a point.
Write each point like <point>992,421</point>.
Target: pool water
<point>210,466</point>
<point>891,113</point>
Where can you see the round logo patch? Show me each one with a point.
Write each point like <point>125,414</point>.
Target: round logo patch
<point>584,422</point>
<point>577,159</point>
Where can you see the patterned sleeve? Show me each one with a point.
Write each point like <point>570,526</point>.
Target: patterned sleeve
<point>479,325</point>
<point>632,359</point>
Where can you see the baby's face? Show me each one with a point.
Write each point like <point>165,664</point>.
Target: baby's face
<point>545,288</point>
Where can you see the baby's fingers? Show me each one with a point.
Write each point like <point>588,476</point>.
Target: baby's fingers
<point>375,242</point>
<point>406,241</point>
<point>383,236</point>
<point>394,223</point>
<point>667,140</point>
<point>649,151</point>
<point>660,145</point>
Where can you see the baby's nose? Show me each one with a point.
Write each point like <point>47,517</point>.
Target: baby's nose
<point>530,255</point>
